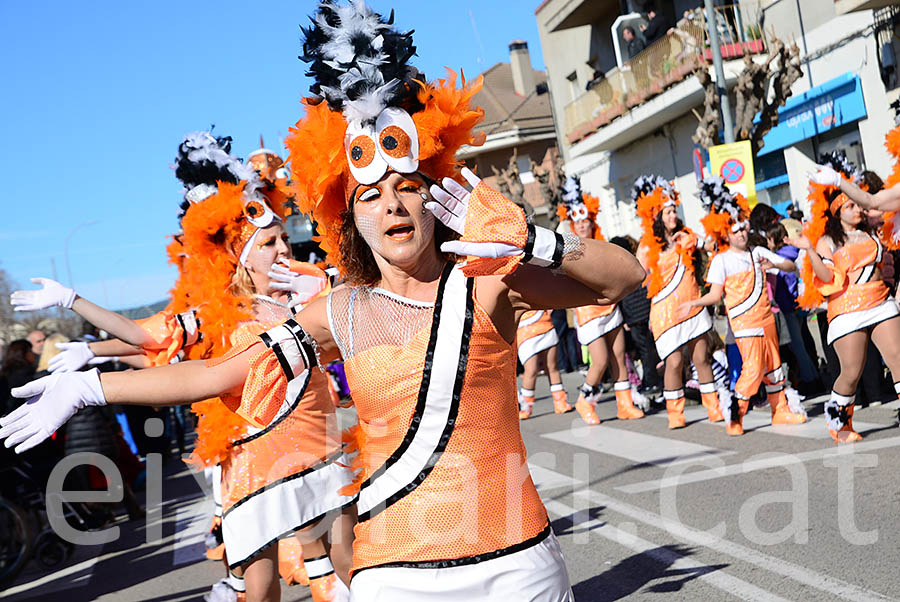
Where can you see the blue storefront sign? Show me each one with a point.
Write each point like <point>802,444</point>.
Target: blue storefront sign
<point>833,104</point>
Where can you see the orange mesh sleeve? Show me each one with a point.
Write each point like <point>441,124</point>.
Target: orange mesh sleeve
<point>264,390</point>
<point>491,217</point>
<point>167,334</point>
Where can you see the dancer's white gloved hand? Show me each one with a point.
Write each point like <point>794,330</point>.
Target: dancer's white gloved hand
<point>303,287</point>
<point>72,356</point>
<point>53,294</point>
<point>825,176</point>
<point>53,400</point>
<point>451,206</point>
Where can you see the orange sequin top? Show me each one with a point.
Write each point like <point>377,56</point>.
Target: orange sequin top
<point>533,323</point>
<point>478,498</point>
<point>747,301</point>
<point>862,258</point>
<point>586,313</point>
<point>679,286</point>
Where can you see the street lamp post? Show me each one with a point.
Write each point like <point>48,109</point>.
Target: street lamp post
<point>66,248</point>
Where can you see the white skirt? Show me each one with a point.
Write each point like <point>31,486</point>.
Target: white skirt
<point>844,324</point>
<point>598,327</point>
<point>672,339</point>
<point>535,574</point>
<point>535,345</point>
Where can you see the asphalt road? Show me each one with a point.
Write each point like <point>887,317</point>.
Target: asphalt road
<point>642,513</point>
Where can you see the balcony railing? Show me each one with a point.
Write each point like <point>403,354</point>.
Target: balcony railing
<point>662,64</point>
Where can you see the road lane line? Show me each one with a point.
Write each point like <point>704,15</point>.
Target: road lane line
<point>831,585</point>
<point>669,558</point>
<point>633,446</point>
<point>754,465</point>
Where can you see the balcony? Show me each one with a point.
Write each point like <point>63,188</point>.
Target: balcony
<point>661,65</point>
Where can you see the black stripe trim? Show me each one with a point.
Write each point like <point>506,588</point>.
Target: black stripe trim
<point>468,560</point>
<point>423,392</point>
<point>558,251</point>
<point>279,482</point>
<point>529,243</point>
<point>183,330</point>
<point>322,557</point>
<point>281,418</point>
<point>311,577</point>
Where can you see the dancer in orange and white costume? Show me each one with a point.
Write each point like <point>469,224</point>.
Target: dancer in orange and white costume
<point>599,327</point>
<point>537,342</point>
<point>447,507</point>
<point>844,266</point>
<point>667,253</point>
<point>740,273</point>
<point>230,255</point>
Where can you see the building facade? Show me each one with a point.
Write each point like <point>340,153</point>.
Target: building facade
<point>618,122</point>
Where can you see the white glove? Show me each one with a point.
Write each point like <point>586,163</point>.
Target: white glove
<point>53,400</point>
<point>451,208</point>
<point>72,357</point>
<point>52,295</point>
<point>303,287</point>
<point>825,176</point>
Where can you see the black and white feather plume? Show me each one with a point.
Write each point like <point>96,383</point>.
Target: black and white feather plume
<point>716,197</point>
<point>358,60</point>
<point>838,161</point>
<point>202,161</point>
<point>646,184</point>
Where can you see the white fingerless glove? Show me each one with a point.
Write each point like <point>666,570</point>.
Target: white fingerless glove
<point>303,287</point>
<point>72,357</point>
<point>53,294</point>
<point>492,228</point>
<point>52,400</point>
<point>825,176</point>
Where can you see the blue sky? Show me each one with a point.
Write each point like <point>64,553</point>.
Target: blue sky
<point>98,94</point>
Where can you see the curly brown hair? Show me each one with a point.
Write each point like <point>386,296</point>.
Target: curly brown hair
<point>359,266</point>
<point>833,227</point>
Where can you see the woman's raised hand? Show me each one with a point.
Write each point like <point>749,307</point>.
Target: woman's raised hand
<point>52,294</point>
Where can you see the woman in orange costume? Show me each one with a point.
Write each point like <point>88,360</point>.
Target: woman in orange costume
<point>667,253</point>
<point>231,247</point>
<point>844,266</point>
<point>739,272</point>
<point>447,509</point>
<point>599,327</point>
<point>536,342</point>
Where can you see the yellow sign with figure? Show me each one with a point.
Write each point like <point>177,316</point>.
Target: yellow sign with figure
<point>734,164</point>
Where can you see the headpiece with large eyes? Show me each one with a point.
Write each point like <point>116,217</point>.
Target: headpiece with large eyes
<point>393,142</point>
<point>258,212</point>
<point>578,212</point>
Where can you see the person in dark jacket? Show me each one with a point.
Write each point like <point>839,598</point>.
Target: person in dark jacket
<point>636,311</point>
<point>656,27</point>
<point>18,369</point>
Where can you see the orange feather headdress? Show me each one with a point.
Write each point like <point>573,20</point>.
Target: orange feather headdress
<point>371,114</point>
<point>651,194</point>
<point>578,205</point>
<point>222,212</point>
<point>725,211</point>
<point>890,232</point>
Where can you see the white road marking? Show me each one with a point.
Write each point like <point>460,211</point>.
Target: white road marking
<point>716,578</point>
<point>761,420</point>
<point>191,525</point>
<point>830,585</point>
<point>636,447</point>
<point>545,479</point>
<point>754,465</point>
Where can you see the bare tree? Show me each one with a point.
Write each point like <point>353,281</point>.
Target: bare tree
<point>761,89</point>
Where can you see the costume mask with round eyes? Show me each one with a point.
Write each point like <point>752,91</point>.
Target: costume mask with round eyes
<point>259,216</point>
<point>393,142</point>
<point>578,212</point>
